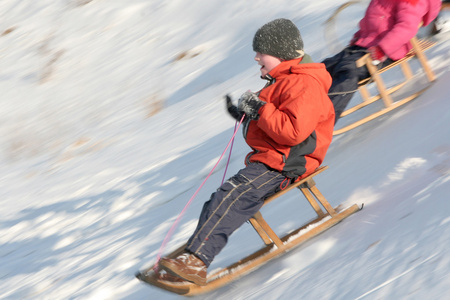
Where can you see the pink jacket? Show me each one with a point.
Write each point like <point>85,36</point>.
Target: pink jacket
<point>390,24</point>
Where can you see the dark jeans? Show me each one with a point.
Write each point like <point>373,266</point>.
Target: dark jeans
<point>345,75</point>
<point>238,199</point>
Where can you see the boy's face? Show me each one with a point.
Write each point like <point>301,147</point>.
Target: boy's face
<point>267,62</point>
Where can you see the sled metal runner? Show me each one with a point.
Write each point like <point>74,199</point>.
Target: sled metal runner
<point>419,46</point>
<point>274,246</point>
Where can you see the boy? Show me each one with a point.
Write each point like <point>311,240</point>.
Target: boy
<point>288,124</point>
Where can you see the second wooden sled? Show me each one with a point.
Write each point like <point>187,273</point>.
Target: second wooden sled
<point>418,48</point>
<point>274,245</point>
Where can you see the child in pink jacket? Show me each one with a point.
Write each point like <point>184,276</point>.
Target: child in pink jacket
<point>385,32</point>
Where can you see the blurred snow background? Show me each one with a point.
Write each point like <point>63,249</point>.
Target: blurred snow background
<point>112,115</point>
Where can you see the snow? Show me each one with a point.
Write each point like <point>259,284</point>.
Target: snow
<point>443,21</point>
<point>112,115</point>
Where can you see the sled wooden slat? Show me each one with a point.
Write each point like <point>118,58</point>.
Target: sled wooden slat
<point>323,201</point>
<point>269,231</point>
<point>274,245</point>
<point>308,195</point>
<point>406,69</point>
<point>422,58</point>
<point>264,236</point>
<point>418,48</point>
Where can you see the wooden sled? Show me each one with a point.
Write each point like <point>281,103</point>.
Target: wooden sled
<point>274,245</point>
<point>418,48</point>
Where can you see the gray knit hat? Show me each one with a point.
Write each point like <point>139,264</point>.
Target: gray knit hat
<point>279,38</point>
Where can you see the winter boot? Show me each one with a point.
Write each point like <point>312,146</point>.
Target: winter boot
<point>187,266</point>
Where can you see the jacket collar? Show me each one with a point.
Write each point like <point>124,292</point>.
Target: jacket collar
<point>284,68</point>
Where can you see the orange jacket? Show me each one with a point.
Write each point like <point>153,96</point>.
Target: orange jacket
<point>295,127</point>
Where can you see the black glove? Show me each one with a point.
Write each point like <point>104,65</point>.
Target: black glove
<point>232,109</point>
<point>249,104</point>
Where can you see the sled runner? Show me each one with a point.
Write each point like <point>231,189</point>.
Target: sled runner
<point>274,246</point>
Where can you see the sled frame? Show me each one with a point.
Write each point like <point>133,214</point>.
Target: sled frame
<point>274,246</point>
<point>417,51</point>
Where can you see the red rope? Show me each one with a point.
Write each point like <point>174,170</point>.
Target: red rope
<point>229,154</point>
<point>175,224</point>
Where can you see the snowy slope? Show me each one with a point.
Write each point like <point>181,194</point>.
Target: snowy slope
<point>112,115</point>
